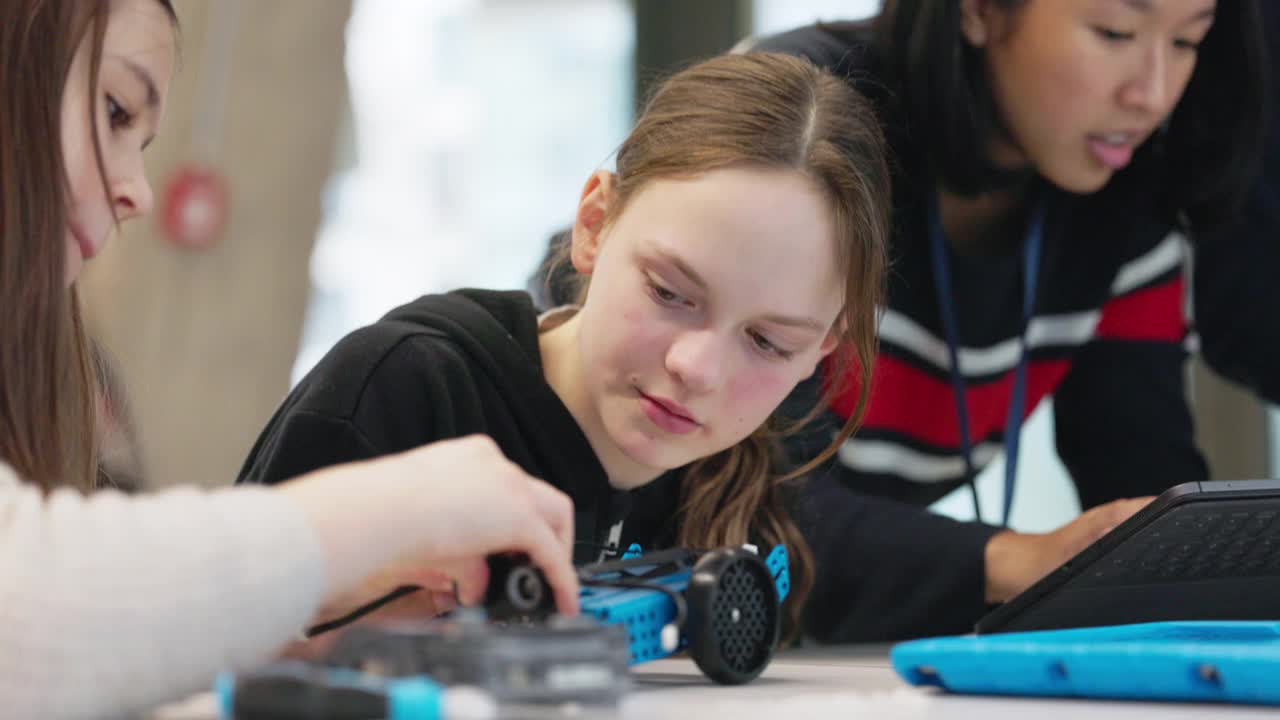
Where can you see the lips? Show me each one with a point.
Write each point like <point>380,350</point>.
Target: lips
<point>668,414</point>
<point>1114,149</point>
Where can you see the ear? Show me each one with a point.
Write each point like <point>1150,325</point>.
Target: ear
<point>975,21</point>
<point>829,344</point>
<point>588,224</point>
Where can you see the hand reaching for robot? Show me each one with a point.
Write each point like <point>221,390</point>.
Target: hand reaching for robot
<point>472,503</point>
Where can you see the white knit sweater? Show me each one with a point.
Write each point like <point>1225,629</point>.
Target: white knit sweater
<point>112,604</point>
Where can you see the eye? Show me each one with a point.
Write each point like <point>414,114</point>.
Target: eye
<point>1190,45</point>
<point>763,343</point>
<point>665,296</point>
<point>1112,36</point>
<point>117,116</point>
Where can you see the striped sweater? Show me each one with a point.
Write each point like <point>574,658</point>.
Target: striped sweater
<point>909,446</point>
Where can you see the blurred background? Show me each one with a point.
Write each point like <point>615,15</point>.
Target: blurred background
<point>372,151</point>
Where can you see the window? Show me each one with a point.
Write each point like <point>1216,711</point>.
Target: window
<point>473,126</point>
<point>773,16</point>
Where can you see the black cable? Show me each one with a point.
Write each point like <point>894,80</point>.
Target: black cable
<point>361,611</point>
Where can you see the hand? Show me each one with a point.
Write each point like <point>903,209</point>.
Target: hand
<point>1015,561</point>
<point>485,504</point>
<point>444,508</point>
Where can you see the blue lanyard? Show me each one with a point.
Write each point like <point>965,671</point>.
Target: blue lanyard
<point>947,309</point>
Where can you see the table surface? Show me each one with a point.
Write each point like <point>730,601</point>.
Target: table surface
<point>837,682</point>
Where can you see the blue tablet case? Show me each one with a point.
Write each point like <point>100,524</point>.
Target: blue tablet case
<point>1235,662</point>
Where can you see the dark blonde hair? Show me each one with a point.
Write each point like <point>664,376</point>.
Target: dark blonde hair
<point>47,412</point>
<point>776,111</point>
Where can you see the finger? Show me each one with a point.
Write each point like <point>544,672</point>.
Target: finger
<point>1080,533</point>
<point>1140,503</point>
<point>557,509</point>
<point>472,577</point>
<point>432,579</point>
<point>1121,510</point>
<point>544,549</point>
<point>443,601</point>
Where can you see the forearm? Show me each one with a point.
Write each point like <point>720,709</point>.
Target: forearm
<point>113,604</point>
<point>888,571</point>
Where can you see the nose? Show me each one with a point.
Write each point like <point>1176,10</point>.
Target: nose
<point>695,358</point>
<point>131,193</point>
<point>1149,89</point>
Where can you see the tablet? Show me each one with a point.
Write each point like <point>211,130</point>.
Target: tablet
<point>1200,551</point>
<point>1192,661</point>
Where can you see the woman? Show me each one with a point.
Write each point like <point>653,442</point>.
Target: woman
<point>1044,150</point>
<point>111,604</point>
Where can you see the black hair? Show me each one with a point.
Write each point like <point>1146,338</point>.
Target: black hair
<point>1201,163</point>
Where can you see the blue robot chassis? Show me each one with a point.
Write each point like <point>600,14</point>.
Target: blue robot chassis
<point>723,606</point>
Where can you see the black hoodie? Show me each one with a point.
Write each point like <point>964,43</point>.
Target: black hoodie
<point>441,367</point>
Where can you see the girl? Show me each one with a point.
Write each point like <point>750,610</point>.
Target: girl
<point>739,242</point>
<point>110,603</point>
<point>1043,150</point>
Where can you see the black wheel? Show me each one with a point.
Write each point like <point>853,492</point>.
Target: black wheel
<point>734,615</point>
<point>517,590</point>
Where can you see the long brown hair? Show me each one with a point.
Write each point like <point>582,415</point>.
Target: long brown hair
<point>772,110</point>
<point>47,409</point>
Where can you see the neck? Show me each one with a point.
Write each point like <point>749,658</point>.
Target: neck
<point>989,223</point>
<point>562,367</point>
<point>992,221</point>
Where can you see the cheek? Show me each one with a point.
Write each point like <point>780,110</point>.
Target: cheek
<point>630,330</point>
<point>86,194</point>
<point>1068,93</point>
<point>1048,94</point>
<point>76,146</point>
<point>753,395</point>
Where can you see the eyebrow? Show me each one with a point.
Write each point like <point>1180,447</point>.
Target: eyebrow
<point>796,322</point>
<point>1145,6</point>
<point>785,320</point>
<point>144,76</point>
<point>682,267</point>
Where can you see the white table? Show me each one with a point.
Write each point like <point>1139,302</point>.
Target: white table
<point>857,682</point>
<point>848,683</point>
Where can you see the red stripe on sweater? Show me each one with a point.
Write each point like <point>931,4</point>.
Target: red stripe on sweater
<point>914,403</point>
<point>907,400</point>
<point>1153,313</point>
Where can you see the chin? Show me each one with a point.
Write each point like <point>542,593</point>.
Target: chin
<point>1082,181</point>
<point>648,451</point>
<point>1084,187</point>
